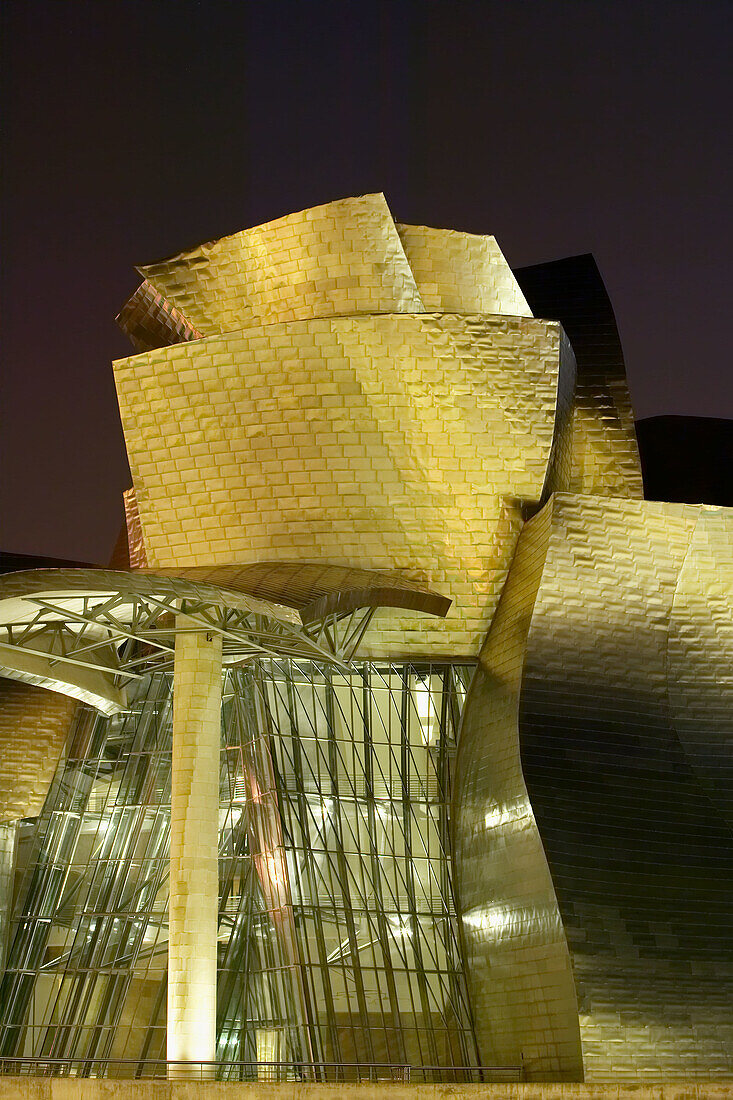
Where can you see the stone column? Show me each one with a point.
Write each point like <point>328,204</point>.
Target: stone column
<point>8,831</point>
<point>194,893</point>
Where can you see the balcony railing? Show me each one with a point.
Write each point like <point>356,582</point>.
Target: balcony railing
<point>137,1069</point>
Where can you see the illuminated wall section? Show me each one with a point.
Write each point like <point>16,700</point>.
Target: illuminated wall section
<point>384,442</point>
<point>461,272</point>
<point>194,826</point>
<point>517,958</point>
<point>341,258</point>
<point>34,724</point>
<point>363,438</point>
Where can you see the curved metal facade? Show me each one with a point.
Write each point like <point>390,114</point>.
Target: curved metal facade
<point>337,412</point>
<point>387,442</point>
<point>516,951</point>
<point>625,720</point>
<point>608,669</point>
<point>34,725</point>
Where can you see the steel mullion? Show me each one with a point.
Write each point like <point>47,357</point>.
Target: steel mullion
<point>376,869</point>
<point>65,613</point>
<point>29,627</point>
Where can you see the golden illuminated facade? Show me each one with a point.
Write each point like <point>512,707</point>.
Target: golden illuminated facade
<point>392,589</point>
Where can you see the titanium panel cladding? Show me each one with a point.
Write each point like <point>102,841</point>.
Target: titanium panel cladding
<point>34,724</point>
<point>382,442</point>
<point>353,409</point>
<point>461,272</point>
<point>626,712</point>
<point>342,258</point>
<point>517,957</point>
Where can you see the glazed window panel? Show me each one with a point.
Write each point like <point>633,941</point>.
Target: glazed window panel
<point>337,930</point>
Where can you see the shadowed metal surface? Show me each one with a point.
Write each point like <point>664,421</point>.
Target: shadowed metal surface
<point>605,452</point>
<point>687,458</point>
<point>152,322</point>
<point>136,557</point>
<point>626,725</point>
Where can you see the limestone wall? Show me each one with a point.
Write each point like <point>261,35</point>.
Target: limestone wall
<point>34,1088</point>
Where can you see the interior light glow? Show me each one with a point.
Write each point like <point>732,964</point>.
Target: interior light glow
<point>273,867</point>
<point>400,926</point>
<point>424,709</point>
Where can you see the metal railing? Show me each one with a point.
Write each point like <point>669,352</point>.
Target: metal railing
<point>136,1069</point>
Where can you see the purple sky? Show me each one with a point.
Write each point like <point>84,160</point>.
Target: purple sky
<point>135,129</point>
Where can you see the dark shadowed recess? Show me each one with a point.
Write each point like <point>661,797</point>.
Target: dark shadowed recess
<point>687,459</point>
<point>572,292</point>
<point>684,459</point>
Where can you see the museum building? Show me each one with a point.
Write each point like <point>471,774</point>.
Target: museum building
<point>398,730</point>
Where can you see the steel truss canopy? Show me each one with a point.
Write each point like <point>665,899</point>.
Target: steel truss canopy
<point>88,633</point>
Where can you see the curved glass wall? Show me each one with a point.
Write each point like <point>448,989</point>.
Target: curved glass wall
<point>337,929</point>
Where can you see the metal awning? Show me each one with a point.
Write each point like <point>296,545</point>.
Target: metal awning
<point>88,632</point>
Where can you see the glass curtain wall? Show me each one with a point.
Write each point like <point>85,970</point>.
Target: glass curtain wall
<point>337,929</point>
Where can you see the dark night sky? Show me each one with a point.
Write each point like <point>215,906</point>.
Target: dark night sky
<point>135,129</point>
